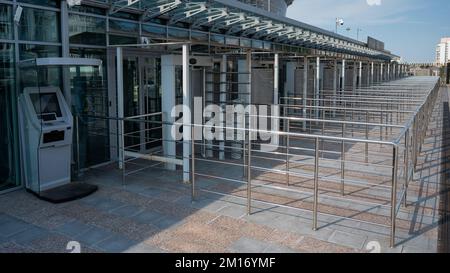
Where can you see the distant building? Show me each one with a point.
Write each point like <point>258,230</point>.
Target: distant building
<point>443,51</point>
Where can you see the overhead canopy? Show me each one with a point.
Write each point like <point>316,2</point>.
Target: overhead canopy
<point>55,61</point>
<point>236,18</point>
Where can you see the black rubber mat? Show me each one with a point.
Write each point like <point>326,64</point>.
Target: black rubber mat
<point>67,193</point>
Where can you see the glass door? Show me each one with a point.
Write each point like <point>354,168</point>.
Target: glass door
<point>151,89</point>
<point>131,101</point>
<point>142,96</point>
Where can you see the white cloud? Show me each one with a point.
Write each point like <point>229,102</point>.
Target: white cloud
<point>374,2</point>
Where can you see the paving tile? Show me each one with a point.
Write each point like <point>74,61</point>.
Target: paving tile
<point>167,221</point>
<point>410,249</point>
<point>348,239</point>
<point>74,228</point>
<point>278,249</point>
<point>144,248</point>
<point>11,247</point>
<point>10,226</point>
<point>116,244</point>
<point>29,235</point>
<point>93,236</point>
<point>127,211</point>
<point>147,217</point>
<point>104,204</point>
<point>52,243</point>
<point>319,246</point>
<point>234,211</point>
<point>249,245</point>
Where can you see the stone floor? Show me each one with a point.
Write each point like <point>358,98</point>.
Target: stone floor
<point>153,212</point>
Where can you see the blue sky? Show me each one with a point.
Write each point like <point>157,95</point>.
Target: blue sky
<point>409,28</point>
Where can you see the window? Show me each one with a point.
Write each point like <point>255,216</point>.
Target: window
<point>122,26</point>
<point>51,3</point>
<point>39,25</point>
<point>8,143</point>
<point>6,22</point>
<point>48,76</point>
<point>87,30</point>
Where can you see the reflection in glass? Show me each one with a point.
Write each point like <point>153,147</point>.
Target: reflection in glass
<point>89,100</point>
<point>8,136</point>
<point>39,25</point>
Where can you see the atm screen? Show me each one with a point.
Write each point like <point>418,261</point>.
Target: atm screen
<point>46,105</point>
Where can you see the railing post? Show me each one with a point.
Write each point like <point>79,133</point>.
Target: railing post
<point>287,153</point>
<point>249,171</point>
<point>77,135</point>
<point>367,137</point>
<point>381,122</point>
<point>193,163</point>
<point>122,149</point>
<point>343,161</point>
<point>316,185</point>
<point>394,195</point>
<point>406,167</point>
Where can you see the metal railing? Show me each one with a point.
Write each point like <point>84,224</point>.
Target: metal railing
<point>349,155</point>
<point>390,132</point>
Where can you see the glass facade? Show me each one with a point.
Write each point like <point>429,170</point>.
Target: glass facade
<point>90,100</point>
<point>39,25</point>
<point>6,30</point>
<point>90,30</point>
<point>8,134</point>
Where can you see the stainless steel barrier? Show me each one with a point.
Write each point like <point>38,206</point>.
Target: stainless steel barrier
<point>362,154</point>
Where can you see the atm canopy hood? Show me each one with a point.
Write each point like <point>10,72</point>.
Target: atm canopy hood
<point>60,62</point>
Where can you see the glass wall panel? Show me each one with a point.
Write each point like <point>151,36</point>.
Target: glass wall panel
<point>87,30</point>
<point>177,33</point>
<point>123,26</point>
<point>8,124</point>
<point>88,9</point>
<point>122,40</point>
<point>155,31</point>
<point>50,3</point>
<point>48,76</point>
<point>89,100</point>
<point>200,36</point>
<point>39,25</point>
<point>6,30</point>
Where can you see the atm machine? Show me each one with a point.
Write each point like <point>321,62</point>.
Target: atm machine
<point>46,129</point>
<point>46,134</point>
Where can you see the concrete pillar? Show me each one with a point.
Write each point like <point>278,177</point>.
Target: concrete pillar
<point>289,85</point>
<point>381,72</point>
<point>343,77</point>
<point>368,74</point>
<point>276,79</point>
<point>276,88</point>
<point>305,88</point>
<point>388,72</point>
<point>65,51</point>
<point>394,75</point>
<point>317,88</point>
<point>186,114</point>
<point>355,77</point>
<point>120,106</point>
<point>223,95</point>
<point>168,102</point>
<point>335,85</point>
<point>372,73</point>
<point>360,74</point>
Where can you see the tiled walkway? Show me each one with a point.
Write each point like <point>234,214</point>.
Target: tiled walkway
<point>154,213</point>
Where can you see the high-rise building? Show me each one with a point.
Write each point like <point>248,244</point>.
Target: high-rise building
<point>443,51</point>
